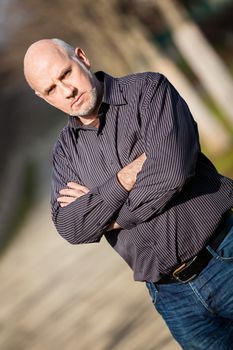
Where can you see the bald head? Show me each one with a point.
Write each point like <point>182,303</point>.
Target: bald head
<point>61,76</point>
<point>42,53</point>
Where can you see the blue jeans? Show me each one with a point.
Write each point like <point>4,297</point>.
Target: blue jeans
<point>199,313</point>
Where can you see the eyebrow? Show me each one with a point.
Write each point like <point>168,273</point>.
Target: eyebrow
<point>64,70</point>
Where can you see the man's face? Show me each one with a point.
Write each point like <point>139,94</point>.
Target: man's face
<point>66,84</point>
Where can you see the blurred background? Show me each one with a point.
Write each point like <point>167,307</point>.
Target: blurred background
<point>57,296</point>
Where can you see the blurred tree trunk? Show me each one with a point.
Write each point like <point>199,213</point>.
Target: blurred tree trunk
<point>97,42</point>
<point>121,45</point>
<point>204,61</point>
<point>132,41</point>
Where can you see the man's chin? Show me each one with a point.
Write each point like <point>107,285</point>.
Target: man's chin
<point>83,114</point>
<point>72,114</point>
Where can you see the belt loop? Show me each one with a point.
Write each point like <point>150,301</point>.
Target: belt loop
<point>152,286</point>
<point>212,252</point>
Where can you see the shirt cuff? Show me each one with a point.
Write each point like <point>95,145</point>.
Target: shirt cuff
<point>126,219</point>
<point>113,193</point>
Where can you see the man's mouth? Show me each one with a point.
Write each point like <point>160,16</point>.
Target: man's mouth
<point>76,100</point>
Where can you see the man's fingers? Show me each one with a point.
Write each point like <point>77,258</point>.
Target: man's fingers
<point>71,192</point>
<point>66,199</point>
<point>142,157</point>
<point>69,195</point>
<point>64,204</point>
<point>78,187</point>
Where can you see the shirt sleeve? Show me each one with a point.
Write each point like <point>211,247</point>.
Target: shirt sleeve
<point>85,219</point>
<point>171,147</point>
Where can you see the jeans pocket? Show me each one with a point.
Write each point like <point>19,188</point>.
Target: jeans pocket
<point>225,250</point>
<point>152,291</point>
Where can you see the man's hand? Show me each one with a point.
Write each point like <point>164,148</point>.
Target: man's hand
<point>113,226</point>
<point>70,194</point>
<point>127,175</point>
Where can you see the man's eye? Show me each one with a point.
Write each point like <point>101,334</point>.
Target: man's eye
<point>66,73</point>
<point>51,90</point>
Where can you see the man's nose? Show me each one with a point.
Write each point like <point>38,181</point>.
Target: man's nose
<point>67,90</point>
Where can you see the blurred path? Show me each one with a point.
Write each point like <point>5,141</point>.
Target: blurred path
<point>55,296</point>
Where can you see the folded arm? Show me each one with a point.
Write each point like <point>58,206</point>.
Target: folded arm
<point>85,218</point>
<point>81,215</point>
<point>171,147</point>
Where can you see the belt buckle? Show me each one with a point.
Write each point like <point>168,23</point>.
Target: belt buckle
<point>180,269</point>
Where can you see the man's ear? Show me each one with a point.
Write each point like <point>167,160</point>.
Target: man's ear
<point>81,56</point>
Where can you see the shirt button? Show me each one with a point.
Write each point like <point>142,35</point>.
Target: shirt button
<point>98,224</point>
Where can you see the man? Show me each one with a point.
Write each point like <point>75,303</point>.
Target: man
<point>129,166</point>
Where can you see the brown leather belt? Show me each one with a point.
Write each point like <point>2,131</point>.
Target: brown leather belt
<point>191,268</point>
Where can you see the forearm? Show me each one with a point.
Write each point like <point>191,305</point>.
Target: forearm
<point>172,147</point>
<point>127,177</point>
<point>83,216</point>
<point>78,228</point>
<point>154,190</point>
<point>85,219</point>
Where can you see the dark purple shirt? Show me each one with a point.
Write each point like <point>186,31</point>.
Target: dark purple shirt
<point>179,197</point>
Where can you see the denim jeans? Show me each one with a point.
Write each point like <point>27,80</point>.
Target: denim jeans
<point>199,313</point>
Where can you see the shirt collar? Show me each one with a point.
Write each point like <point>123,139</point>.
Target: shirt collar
<point>113,92</point>
<point>113,95</point>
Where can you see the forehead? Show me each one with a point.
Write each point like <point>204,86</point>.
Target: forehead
<point>48,66</point>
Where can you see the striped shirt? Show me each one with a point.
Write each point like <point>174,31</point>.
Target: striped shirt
<point>179,197</point>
